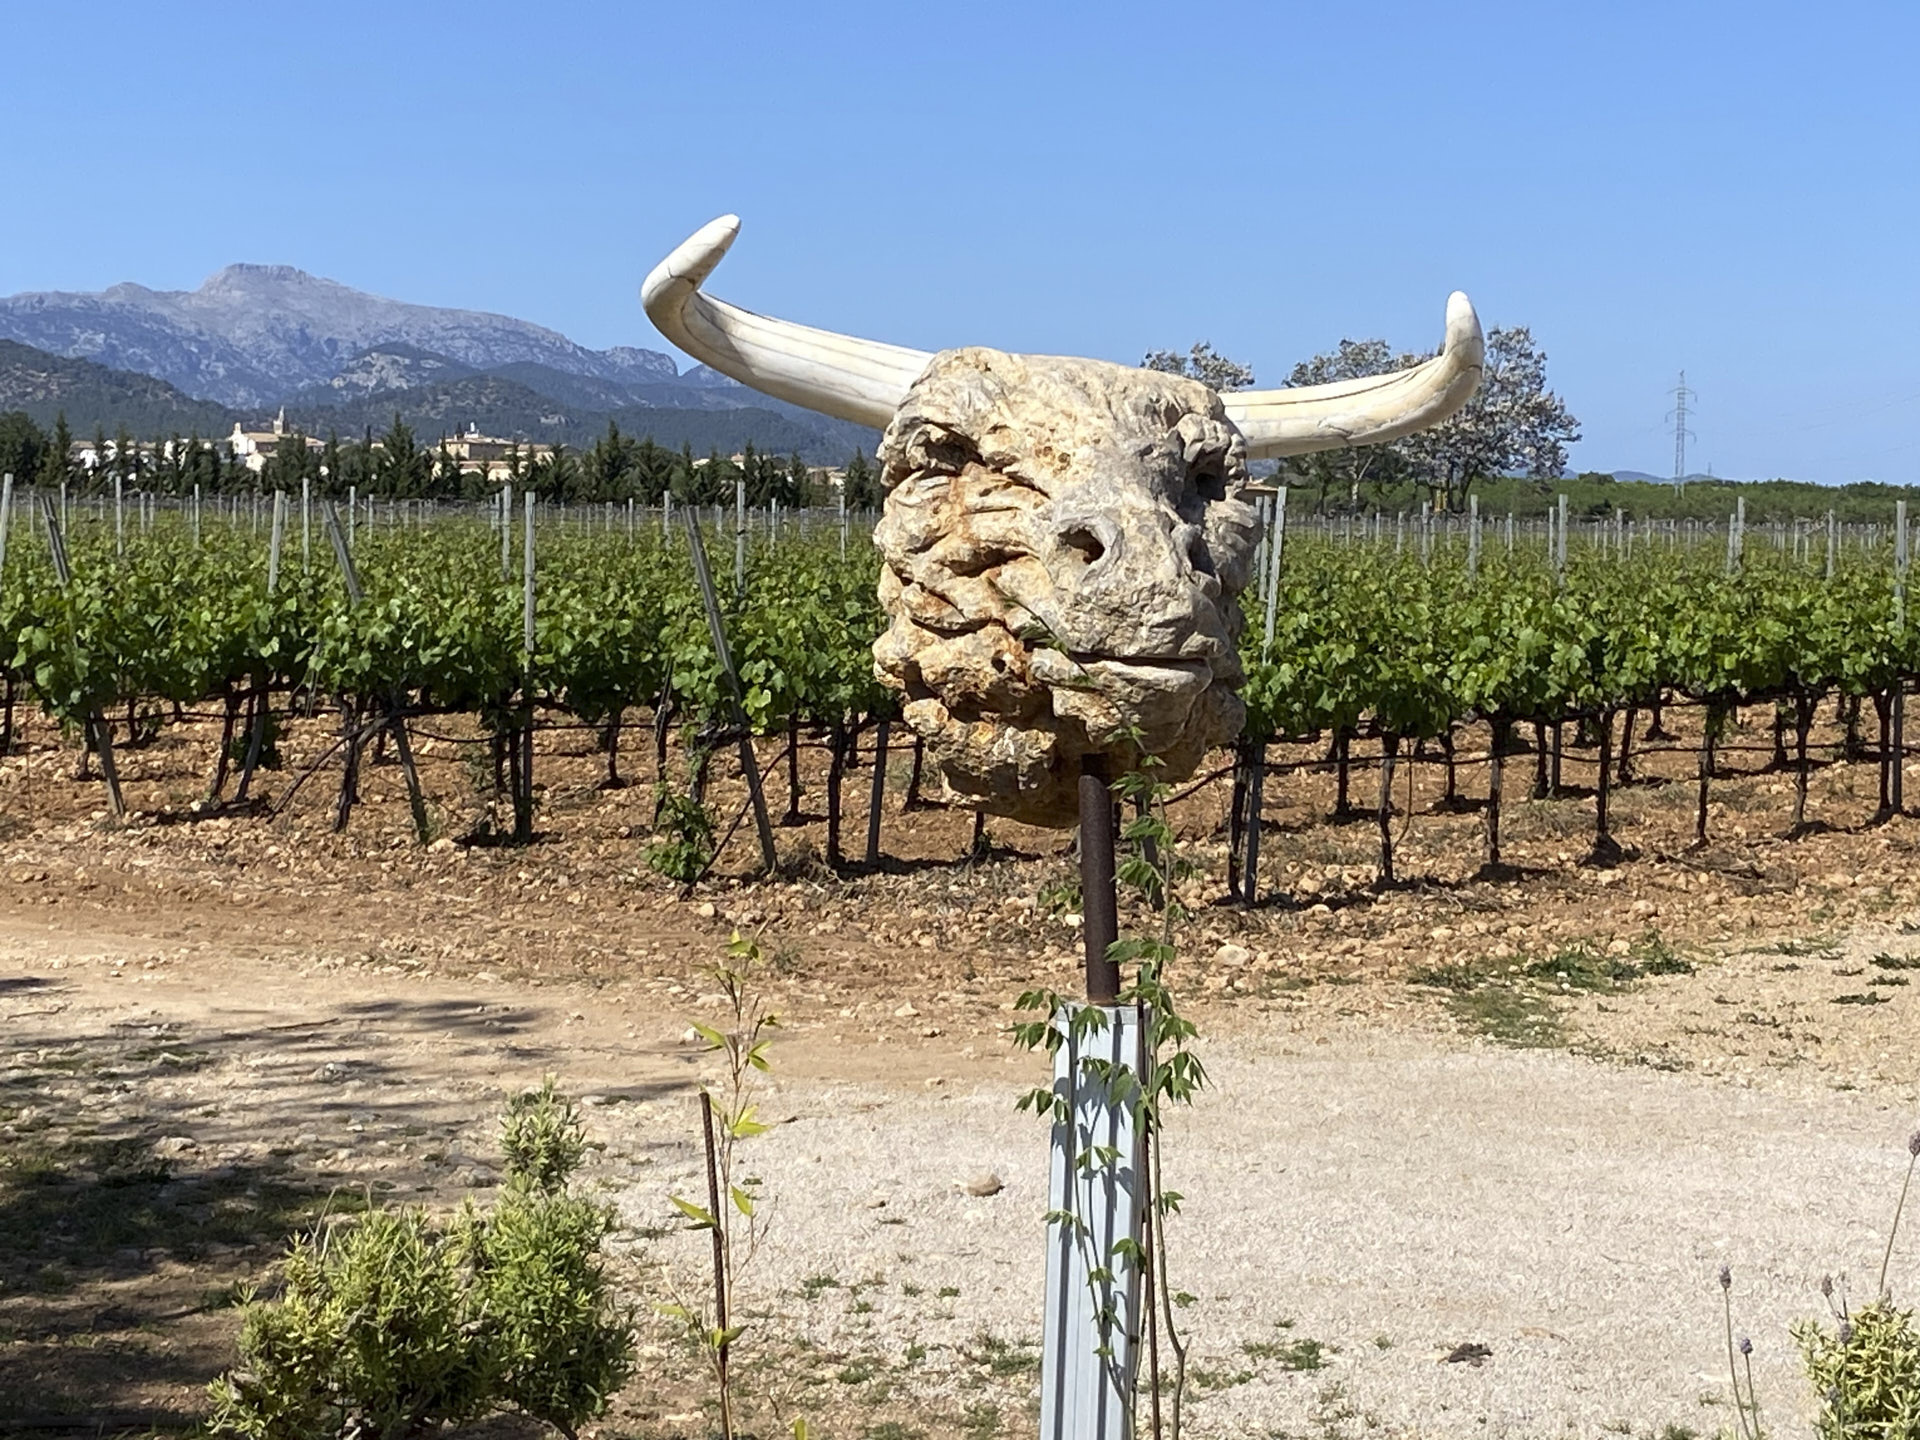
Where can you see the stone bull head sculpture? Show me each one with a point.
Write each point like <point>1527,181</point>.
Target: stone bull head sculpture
<point>1065,541</point>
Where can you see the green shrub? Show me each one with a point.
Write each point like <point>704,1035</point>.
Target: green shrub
<point>686,847</point>
<point>369,1338</point>
<point>541,1138</point>
<point>561,1345</point>
<point>1866,1370</point>
<point>1866,1373</point>
<point>397,1323</point>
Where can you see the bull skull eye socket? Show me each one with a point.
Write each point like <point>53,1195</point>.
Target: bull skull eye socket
<point>1084,543</point>
<point>1209,479</point>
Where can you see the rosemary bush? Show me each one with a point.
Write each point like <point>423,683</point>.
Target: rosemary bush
<point>1866,1369</point>
<point>397,1323</point>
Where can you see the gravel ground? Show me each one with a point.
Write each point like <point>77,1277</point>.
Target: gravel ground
<point>1389,1190</point>
<point>1384,1196</point>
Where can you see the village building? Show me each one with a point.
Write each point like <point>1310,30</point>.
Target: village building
<point>491,456</point>
<point>253,448</point>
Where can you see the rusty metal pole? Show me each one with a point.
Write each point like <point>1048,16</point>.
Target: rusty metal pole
<point>1099,910</point>
<point>1095,1190</point>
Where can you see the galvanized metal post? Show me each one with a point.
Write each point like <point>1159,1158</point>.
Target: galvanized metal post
<point>1897,787</point>
<point>1096,1198</point>
<point>274,538</point>
<point>740,536</point>
<point>1276,550</point>
<point>505,521</point>
<point>1097,1187</point>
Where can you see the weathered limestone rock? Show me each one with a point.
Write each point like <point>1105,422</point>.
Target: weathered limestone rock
<point>1065,543</point>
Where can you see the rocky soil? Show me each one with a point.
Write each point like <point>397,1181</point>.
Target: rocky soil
<point>1532,1113</point>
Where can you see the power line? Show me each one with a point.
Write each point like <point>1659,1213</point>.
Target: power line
<point>1678,416</point>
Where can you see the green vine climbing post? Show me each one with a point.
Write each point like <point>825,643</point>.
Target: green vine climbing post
<point>99,735</point>
<point>1097,1191</point>
<point>1100,926</point>
<point>876,797</point>
<point>716,625</point>
<point>395,722</point>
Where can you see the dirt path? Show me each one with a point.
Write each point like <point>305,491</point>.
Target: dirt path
<point>1365,1192</point>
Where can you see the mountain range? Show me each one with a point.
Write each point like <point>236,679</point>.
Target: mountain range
<point>255,338</point>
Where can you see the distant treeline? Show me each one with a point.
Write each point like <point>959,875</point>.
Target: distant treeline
<point>616,467</point>
<point>394,464</point>
<point>1594,494</point>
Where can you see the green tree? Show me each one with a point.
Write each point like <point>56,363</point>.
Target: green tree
<point>97,472</point>
<point>288,464</point>
<point>126,457</point>
<point>56,463</point>
<point>607,466</point>
<point>170,463</point>
<point>402,468</point>
<point>861,484</point>
<point>23,446</point>
<point>447,482</point>
<point>330,460</point>
<point>555,476</point>
<point>653,470</point>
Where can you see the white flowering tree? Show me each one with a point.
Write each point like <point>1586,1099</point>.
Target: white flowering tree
<point>1513,425</point>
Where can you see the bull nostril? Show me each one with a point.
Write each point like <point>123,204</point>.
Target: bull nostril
<point>1198,555</point>
<point>1083,541</point>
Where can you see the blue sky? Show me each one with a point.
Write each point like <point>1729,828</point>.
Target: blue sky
<point>1732,189</point>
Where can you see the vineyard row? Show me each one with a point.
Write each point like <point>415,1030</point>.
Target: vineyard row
<point>1370,638</point>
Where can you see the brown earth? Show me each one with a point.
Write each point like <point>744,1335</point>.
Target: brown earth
<point>220,1024</point>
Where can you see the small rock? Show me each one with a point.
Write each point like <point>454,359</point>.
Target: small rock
<point>705,910</point>
<point>595,1100</point>
<point>174,1145</point>
<point>1470,1353</point>
<point>1232,956</point>
<point>876,1202</point>
<point>441,846</point>
<point>905,1011</point>
<point>984,1183</point>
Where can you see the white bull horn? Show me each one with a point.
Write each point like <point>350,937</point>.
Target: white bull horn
<point>859,380</point>
<point>1369,410</point>
<point>865,380</point>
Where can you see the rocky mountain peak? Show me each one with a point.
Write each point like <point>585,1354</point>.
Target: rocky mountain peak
<point>246,277</point>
